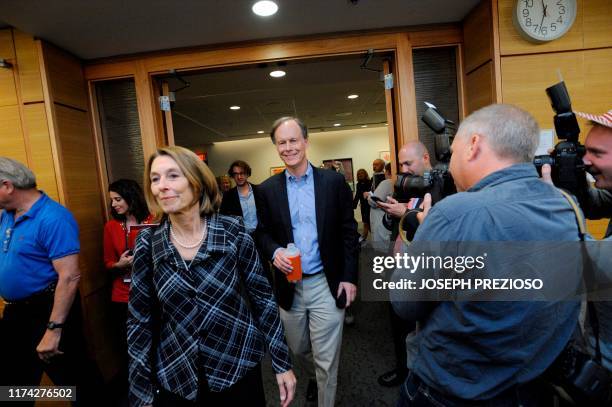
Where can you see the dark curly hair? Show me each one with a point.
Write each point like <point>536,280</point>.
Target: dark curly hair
<point>131,192</point>
<point>240,164</point>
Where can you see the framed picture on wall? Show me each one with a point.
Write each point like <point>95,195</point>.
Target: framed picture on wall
<point>276,170</point>
<point>343,166</point>
<point>385,156</point>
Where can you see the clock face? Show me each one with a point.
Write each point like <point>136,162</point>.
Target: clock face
<point>544,20</point>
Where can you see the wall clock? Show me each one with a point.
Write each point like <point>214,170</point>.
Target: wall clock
<point>543,20</point>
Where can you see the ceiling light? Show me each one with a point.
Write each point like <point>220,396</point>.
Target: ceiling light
<point>364,125</point>
<point>234,107</point>
<point>352,96</point>
<point>265,8</point>
<point>278,74</point>
<point>260,132</point>
<point>337,124</point>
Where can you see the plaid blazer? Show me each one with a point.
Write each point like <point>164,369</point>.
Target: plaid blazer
<point>196,317</point>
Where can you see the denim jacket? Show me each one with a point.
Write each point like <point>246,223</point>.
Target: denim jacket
<point>476,350</point>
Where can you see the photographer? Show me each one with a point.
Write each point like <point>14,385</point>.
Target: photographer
<point>490,353</point>
<point>413,160</point>
<point>598,162</point>
<point>597,204</point>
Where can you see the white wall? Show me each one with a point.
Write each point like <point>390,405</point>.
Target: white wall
<point>362,145</point>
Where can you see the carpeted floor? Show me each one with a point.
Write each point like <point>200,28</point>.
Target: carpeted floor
<point>367,352</point>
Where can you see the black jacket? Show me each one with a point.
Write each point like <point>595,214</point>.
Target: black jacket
<point>230,205</point>
<point>597,205</point>
<point>336,229</point>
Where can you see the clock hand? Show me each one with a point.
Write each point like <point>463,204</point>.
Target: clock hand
<point>543,15</point>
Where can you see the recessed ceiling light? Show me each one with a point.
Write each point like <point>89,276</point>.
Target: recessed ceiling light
<point>337,125</point>
<point>278,74</point>
<point>234,107</point>
<point>364,125</point>
<point>265,8</point>
<point>386,124</point>
<point>352,96</point>
<point>260,132</point>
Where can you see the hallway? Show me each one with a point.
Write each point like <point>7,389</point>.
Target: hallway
<point>367,352</point>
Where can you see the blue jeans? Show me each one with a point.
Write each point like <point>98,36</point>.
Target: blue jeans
<point>415,393</point>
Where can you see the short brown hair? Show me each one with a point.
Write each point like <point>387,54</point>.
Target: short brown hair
<point>241,164</point>
<point>200,178</point>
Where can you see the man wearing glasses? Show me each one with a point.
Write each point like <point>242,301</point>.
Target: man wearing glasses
<point>39,277</point>
<point>240,200</point>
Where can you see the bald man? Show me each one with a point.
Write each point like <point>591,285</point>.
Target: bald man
<point>413,159</point>
<point>378,169</point>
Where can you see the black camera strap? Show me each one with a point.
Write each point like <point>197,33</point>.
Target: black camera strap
<point>587,271</point>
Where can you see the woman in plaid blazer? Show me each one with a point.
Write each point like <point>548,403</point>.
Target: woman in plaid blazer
<point>192,339</point>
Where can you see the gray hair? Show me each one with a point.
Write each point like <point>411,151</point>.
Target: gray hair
<point>20,176</point>
<point>512,132</point>
<point>282,120</point>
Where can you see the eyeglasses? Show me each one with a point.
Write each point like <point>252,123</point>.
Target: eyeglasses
<point>7,239</point>
<point>237,174</point>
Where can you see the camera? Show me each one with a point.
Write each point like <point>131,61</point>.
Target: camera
<point>568,170</point>
<point>438,181</point>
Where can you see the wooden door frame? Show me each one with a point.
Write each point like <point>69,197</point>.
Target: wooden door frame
<point>143,68</point>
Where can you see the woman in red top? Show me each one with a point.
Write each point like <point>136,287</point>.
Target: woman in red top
<point>128,208</point>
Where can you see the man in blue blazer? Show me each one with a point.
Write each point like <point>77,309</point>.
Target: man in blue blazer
<point>312,208</point>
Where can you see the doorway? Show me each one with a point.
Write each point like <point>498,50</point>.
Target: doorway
<point>226,114</point>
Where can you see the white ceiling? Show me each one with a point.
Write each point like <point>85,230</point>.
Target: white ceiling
<point>315,91</point>
<point>100,28</point>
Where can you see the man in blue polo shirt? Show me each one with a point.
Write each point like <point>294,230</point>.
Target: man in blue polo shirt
<point>39,277</point>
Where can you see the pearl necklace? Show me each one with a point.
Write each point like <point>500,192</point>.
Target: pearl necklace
<point>189,246</point>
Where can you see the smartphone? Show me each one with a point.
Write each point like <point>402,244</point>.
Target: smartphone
<point>341,300</point>
<point>376,199</point>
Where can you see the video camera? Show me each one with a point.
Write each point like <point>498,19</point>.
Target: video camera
<point>438,180</point>
<point>568,170</point>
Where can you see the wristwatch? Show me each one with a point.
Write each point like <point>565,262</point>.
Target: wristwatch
<point>53,325</point>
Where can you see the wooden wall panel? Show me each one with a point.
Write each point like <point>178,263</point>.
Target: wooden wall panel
<point>405,97</point>
<point>597,81</point>
<point>29,67</point>
<point>65,76</point>
<point>436,37</point>
<point>12,143</point>
<point>148,111</point>
<point>82,190</point>
<point>525,78</point>
<point>478,36</point>
<point>241,55</point>
<point>7,50</point>
<point>587,77</point>
<point>8,95</point>
<point>597,24</point>
<point>479,88</point>
<point>512,42</point>
<point>78,184</point>
<point>37,130</point>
